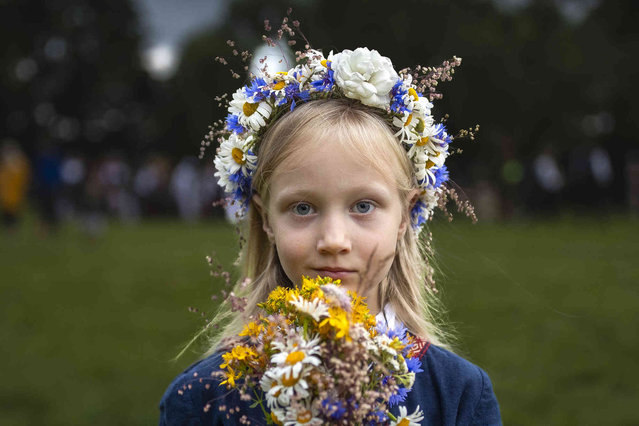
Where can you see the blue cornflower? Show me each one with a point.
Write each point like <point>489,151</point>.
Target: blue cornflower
<point>400,396</point>
<point>233,124</point>
<point>242,192</point>
<point>335,409</point>
<point>257,89</point>
<point>380,417</point>
<point>440,133</point>
<point>441,176</point>
<point>418,214</point>
<point>414,365</point>
<point>398,93</point>
<point>293,95</point>
<point>327,82</point>
<point>399,331</point>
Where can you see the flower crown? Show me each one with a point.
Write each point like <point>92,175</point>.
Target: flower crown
<point>363,75</point>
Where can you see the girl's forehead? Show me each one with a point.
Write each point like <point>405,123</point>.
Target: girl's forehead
<point>330,170</point>
<point>329,152</point>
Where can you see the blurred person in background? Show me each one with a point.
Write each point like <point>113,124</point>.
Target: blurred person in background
<point>185,188</point>
<point>549,182</point>
<point>601,169</point>
<point>93,206</point>
<point>73,176</point>
<point>15,174</point>
<point>115,176</point>
<point>47,185</point>
<point>151,184</point>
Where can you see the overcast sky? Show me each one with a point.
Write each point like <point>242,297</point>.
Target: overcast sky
<point>167,24</point>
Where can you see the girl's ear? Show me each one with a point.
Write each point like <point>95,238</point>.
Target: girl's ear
<point>266,226</point>
<point>412,197</point>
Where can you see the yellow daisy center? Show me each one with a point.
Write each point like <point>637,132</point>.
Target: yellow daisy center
<point>304,416</point>
<point>408,120</point>
<point>325,62</point>
<point>429,164</point>
<point>278,392</point>
<point>238,155</point>
<point>279,85</point>
<point>295,357</point>
<point>289,380</point>
<point>403,422</point>
<point>248,108</point>
<point>275,420</point>
<point>423,141</point>
<point>412,92</point>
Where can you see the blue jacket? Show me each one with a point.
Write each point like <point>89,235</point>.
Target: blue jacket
<point>450,391</point>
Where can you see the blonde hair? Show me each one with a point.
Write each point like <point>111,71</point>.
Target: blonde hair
<point>366,130</point>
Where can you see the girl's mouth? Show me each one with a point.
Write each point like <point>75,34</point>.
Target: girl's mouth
<point>334,273</point>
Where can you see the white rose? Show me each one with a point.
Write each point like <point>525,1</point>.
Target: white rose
<point>365,75</point>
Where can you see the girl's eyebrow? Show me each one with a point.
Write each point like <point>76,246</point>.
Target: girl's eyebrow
<point>366,189</point>
<point>288,192</point>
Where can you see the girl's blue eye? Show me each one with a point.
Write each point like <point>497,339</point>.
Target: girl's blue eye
<point>364,207</point>
<point>302,209</point>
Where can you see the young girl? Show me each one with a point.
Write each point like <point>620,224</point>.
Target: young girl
<point>338,191</point>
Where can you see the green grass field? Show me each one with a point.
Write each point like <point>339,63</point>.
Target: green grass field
<point>89,328</point>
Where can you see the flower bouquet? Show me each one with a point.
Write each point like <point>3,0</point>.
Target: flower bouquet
<point>316,355</point>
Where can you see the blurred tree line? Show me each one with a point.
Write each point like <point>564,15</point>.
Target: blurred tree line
<point>531,78</point>
<point>73,78</point>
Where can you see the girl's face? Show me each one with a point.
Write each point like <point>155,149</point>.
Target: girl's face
<point>330,213</point>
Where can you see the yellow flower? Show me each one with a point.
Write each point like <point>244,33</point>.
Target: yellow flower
<point>397,344</point>
<point>252,329</point>
<point>338,321</point>
<point>227,357</point>
<point>276,300</point>
<point>239,353</point>
<point>360,312</point>
<point>309,285</point>
<point>292,293</point>
<point>231,376</point>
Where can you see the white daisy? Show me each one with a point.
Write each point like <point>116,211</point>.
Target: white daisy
<point>428,156</point>
<point>406,125</point>
<point>314,308</point>
<point>429,197</point>
<point>386,352</point>
<point>427,143</point>
<point>316,58</point>
<point>278,416</point>
<point>302,414</point>
<point>278,85</point>
<point>422,105</point>
<point>250,114</point>
<point>273,391</point>
<point>286,387</point>
<point>410,96</point>
<point>234,156</point>
<point>294,355</point>
<point>300,74</point>
<point>405,419</point>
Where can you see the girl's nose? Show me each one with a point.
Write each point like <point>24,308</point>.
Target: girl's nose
<point>334,237</point>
